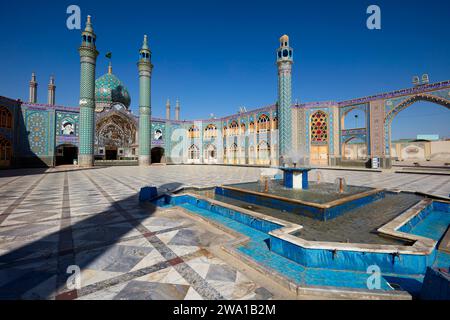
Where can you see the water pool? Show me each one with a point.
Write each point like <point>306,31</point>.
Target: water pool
<point>259,249</point>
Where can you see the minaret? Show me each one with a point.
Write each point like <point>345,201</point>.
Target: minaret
<point>88,58</point>
<point>145,72</point>
<point>51,91</point>
<point>177,110</point>
<point>168,109</point>
<point>33,89</point>
<point>284,62</point>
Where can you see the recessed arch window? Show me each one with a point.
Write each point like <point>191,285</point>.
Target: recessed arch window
<point>193,132</point>
<point>211,152</point>
<point>263,123</point>
<point>242,128</point>
<point>210,131</point>
<point>193,152</point>
<point>275,123</point>
<point>233,151</point>
<point>234,127</point>
<point>263,152</point>
<point>251,127</point>
<point>5,118</point>
<point>5,149</point>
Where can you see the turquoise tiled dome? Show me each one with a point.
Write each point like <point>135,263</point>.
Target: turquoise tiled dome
<point>109,89</point>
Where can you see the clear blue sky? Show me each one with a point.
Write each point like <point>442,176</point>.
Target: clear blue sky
<point>219,55</point>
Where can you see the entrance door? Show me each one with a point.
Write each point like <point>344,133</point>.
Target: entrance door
<point>5,152</point>
<point>319,155</point>
<point>111,154</point>
<point>66,154</point>
<point>157,154</point>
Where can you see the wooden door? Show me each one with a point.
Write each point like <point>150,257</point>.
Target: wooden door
<point>319,155</point>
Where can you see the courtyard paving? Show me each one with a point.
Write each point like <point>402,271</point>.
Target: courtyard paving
<point>53,219</point>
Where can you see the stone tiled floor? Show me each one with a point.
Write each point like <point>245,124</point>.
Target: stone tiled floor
<point>92,219</point>
<point>56,218</point>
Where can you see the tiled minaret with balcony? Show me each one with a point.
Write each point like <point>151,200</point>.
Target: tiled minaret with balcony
<point>284,62</point>
<point>88,58</point>
<point>145,73</point>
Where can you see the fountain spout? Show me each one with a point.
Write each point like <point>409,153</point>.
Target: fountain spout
<point>319,176</point>
<point>340,185</point>
<point>266,184</point>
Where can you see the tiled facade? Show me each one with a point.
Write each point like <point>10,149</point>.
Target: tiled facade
<point>279,132</point>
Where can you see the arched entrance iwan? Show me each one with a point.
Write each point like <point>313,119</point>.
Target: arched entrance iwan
<point>402,106</point>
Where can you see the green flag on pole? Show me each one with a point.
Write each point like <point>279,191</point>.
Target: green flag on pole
<point>108,55</point>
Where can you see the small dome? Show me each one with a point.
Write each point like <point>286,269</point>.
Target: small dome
<point>110,90</point>
<point>284,38</point>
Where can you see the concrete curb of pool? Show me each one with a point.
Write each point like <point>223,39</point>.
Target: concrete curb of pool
<point>326,205</point>
<point>318,291</point>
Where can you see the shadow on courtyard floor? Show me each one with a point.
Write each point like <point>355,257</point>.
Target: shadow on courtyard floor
<point>44,262</point>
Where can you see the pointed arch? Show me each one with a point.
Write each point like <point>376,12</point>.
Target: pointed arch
<point>5,152</point>
<point>389,117</point>
<point>354,148</point>
<point>234,128</point>
<point>211,153</point>
<point>210,131</point>
<point>263,123</point>
<point>5,118</point>
<point>193,152</point>
<point>193,132</point>
<point>410,101</point>
<point>264,153</point>
<point>319,127</point>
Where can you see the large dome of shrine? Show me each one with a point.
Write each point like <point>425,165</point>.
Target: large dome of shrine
<point>109,90</point>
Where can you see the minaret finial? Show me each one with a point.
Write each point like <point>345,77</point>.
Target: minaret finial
<point>88,24</point>
<point>110,68</point>
<point>284,40</point>
<point>177,110</point>
<point>51,91</point>
<point>168,109</point>
<point>33,89</point>
<point>88,36</point>
<point>144,52</point>
<point>145,42</point>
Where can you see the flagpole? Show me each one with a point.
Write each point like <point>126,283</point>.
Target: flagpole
<point>108,56</point>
